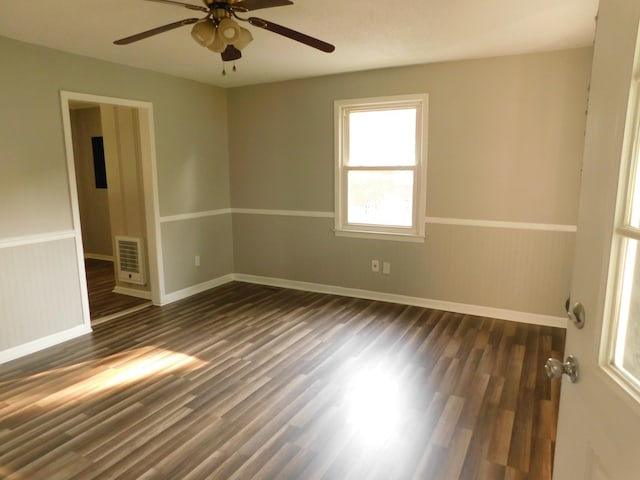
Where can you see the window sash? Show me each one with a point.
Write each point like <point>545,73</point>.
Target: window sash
<point>389,228</point>
<point>346,154</point>
<point>415,232</point>
<point>622,268</point>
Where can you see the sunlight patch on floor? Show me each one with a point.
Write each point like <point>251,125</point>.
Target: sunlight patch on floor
<point>374,405</point>
<point>136,365</point>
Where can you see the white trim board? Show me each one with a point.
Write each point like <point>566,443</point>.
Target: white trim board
<point>283,213</point>
<point>465,222</point>
<point>113,316</point>
<point>42,343</point>
<point>466,309</point>
<point>191,216</point>
<point>146,130</point>
<point>13,242</point>
<point>195,289</point>
<point>245,211</point>
<point>132,292</point>
<point>478,310</point>
<point>548,227</point>
<point>98,256</point>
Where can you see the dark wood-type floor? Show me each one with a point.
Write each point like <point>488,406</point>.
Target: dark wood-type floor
<point>248,381</point>
<point>100,283</point>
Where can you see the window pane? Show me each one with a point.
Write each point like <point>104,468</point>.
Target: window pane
<point>635,189</point>
<point>380,198</point>
<point>382,138</point>
<point>627,347</point>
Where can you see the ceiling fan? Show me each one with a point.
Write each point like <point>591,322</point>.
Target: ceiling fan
<point>219,31</point>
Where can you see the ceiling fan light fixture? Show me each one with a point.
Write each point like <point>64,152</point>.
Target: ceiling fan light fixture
<point>245,39</point>
<point>218,45</point>
<point>229,30</point>
<point>204,32</point>
<point>220,32</point>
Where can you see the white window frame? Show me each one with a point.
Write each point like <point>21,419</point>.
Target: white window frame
<point>414,233</point>
<point>624,232</point>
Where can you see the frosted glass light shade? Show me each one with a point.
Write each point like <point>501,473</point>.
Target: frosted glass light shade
<point>229,30</point>
<point>245,39</point>
<point>218,45</point>
<point>204,33</point>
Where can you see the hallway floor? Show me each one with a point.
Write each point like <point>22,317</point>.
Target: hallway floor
<point>100,283</point>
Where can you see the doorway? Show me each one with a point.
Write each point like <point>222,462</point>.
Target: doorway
<point>111,163</point>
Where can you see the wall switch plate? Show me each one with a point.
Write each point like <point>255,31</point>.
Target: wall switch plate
<point>197,261</point>
<point>386,268</point>
<point>375,265</point>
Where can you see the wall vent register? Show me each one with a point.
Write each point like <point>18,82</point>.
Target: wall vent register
<point>130,262</point>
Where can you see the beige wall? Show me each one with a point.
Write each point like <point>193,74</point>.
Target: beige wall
<point>93,202</point>
<point>124,170</point>
<point>120,126</point>
<point>505,144</point>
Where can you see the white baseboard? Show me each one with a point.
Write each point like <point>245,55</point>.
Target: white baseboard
<point>98,256</point>
<point>193,290</point>
<point>122,313</point>
<point>42,343</point>
<point>132,292</point>
<point>478,310</point>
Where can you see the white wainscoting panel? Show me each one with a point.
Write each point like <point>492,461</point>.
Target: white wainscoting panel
<point>40,293</point>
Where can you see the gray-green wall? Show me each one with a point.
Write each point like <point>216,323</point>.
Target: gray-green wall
<point>35,208</point>
<point>505,145</point>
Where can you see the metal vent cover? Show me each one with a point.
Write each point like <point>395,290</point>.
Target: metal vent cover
<point>130,260</point>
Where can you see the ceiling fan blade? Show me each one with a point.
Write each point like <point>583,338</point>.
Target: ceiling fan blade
<point>249,5</point>
<point>180,4</point>
<point>155,31</point>
<point>292,34</point>
<point>230,54</point>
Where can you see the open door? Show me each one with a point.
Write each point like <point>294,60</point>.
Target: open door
<point>599,421</point>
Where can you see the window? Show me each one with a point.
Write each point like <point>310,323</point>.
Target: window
<point>622,358</point>
<point>381,167</point>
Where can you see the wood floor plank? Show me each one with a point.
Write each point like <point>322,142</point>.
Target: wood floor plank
<point>246,381</point>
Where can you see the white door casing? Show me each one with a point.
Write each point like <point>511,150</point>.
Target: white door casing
<point>599,421</point>
<point>150,188</point>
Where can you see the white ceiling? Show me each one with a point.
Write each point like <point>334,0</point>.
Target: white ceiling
<point>368,34</point>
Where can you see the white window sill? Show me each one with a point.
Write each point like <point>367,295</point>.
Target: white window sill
<point>397,237</point>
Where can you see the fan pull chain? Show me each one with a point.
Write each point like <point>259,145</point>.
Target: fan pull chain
<point>224,69</point>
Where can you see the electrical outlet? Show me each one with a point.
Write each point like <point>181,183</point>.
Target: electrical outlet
<point>197,261</point>
<point>386,268</point>
<point>375,266</point>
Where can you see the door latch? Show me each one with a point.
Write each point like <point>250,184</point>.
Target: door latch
<point>576,314</point>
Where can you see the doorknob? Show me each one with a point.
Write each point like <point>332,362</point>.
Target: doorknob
<point>555,368</point>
